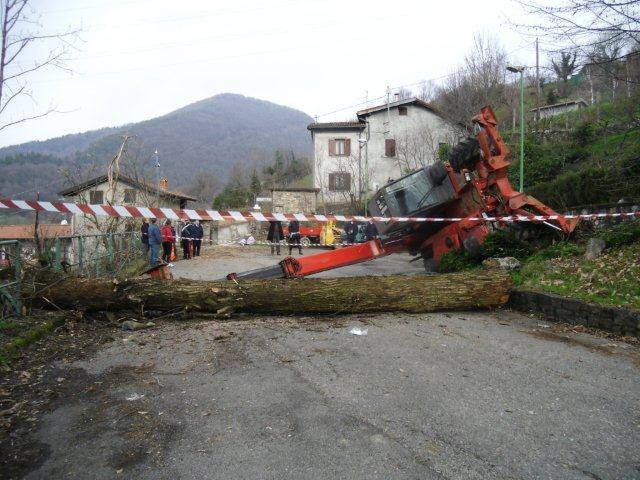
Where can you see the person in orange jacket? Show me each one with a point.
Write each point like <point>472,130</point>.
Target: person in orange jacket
<point>167,241</point>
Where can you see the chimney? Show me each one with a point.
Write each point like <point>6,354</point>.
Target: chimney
<point>163,184</point>
<point>396,97</point>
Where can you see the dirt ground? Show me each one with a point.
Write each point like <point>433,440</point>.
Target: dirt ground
<point>445,396</point>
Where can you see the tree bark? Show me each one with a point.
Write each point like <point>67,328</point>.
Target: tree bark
<point>408,293</point>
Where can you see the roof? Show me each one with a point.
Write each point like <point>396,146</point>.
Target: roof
<point>75,189</point>
<point>295,189</point>
<point>26,232</point>
<point>399,103</point>
<point>352,125</point>
<point>578,101</point>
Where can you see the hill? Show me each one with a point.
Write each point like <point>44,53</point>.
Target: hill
<point>210,136</point>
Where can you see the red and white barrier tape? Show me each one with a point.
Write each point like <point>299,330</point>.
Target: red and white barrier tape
<point>127,211</point>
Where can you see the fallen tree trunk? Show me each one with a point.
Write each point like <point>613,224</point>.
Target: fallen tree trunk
<point>408,293</point>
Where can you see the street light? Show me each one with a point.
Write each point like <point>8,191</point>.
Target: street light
<point>520,70</point>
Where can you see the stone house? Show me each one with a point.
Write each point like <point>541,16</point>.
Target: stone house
<point>294,200</point>
<point>126,191</point>
<point>354,159</point>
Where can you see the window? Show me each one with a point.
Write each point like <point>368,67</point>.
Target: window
<point>390,147</point>
<point>96,197</point>
<point>340,181</point>
<point>130,195</point>
<point>340,147</point>
<point>402,111</point>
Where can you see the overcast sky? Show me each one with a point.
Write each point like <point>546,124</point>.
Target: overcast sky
<point>139,59</point>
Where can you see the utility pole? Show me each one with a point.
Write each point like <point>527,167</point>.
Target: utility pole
<point>157,178</point>
<point>537,83</point>
<point>520,70</point>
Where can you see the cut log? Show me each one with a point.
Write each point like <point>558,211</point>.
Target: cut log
<point>407,293</point>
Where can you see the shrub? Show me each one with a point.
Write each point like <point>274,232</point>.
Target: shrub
<point>457,260</point>
<point>504,244</point>
<point>621,234</point>
<point>558,250</point>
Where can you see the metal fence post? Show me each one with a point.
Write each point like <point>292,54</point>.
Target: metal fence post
<point>18,273</point>
<point>56,255</point>
<point>80,254</point>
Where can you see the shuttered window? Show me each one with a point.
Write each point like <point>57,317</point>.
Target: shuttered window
<point>340,147</point>
<point>340,181</point>
<point>96,197</point>
<point>402,111</point>
<point>130,195</point>
<point>390,147</point>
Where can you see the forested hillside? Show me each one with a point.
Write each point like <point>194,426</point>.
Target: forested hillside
<point>206,137</point>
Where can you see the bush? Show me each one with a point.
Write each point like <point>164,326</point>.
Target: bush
<point>457,260</point>
<point>621,234</point>
<point>504,244</point>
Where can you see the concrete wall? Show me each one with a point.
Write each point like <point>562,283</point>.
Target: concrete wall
<point>562,309</point>
<point>225,232</point>
<point>290,201</point>
<point>552,112</point>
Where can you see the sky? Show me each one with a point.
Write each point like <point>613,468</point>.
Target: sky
<point>138,59</point>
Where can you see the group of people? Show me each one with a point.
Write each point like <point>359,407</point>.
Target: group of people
<point>275,235</point>
<point>153,238</point>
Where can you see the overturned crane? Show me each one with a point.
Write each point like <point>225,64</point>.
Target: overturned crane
<point>472,184</point>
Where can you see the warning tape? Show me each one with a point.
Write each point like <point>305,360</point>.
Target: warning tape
<point>126,211</point>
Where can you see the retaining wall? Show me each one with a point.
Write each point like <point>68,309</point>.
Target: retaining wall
<point>568,310</point>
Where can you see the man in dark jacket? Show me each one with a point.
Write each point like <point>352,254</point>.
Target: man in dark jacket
<point>370,231</point>
<point>144,237</point>
<point>186,235</point>
<point>351,229</point>
<point>275,235</point>
<point>198,233</point>
<point>294,236</point>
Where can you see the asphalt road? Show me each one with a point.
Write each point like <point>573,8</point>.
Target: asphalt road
<point>484,395</point>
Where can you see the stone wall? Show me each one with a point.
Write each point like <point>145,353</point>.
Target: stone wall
<point>294,200</point>
<point>557,308</point>
<point>225,232</point>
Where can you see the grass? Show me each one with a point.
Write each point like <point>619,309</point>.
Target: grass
<point>613,279</point>
<point>17,335</point>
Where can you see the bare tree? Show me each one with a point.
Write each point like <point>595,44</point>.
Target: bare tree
<point>581,23</point>
<point>479,81</point>
<point>420,146</point>
<point>21,31</point>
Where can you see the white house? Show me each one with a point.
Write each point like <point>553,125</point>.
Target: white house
<point>353,159</point>
<point>560,108</point>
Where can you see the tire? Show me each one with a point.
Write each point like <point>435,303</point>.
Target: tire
<point>430,265</point>
<point>305,242</point>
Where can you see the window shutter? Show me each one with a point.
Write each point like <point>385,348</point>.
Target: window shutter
<point>332,147</point>
<point>332,181</point>
<point>346,181</point>
<point>347,146</point>
<point>390,147</point>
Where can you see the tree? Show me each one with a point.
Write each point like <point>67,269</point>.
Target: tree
<point>256,184</point>
<point>20,30</point>
<point>564,65</point>
<point>421,145</point>
<point>580,23</point>
<point>204,187</point>
<point>479,81</point>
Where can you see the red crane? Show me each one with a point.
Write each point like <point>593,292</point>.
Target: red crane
<point>471,185</point>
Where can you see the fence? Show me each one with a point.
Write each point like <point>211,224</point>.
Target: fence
<point>10,278</point>
<point>86,255</point>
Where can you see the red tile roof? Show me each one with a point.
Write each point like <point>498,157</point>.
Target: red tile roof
<point>25,232</point>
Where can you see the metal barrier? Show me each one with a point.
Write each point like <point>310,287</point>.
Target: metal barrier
<point>11,279</point>
<point>92,255</point>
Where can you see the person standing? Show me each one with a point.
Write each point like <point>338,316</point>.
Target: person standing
<point>144,237</point>
<point>155,240</point>
<point>167,241</point>
<point>198,233</point>
<point>370,231</point>
<point>350,229</point>
<point>275,235</point>
<point>187,237</point>
<point>294,236</point>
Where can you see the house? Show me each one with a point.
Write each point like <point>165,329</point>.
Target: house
<point>294,200</point>
<point>47,233</point>
<point>125,191</point>
<point>353,159</point>
<point>559,108</point>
